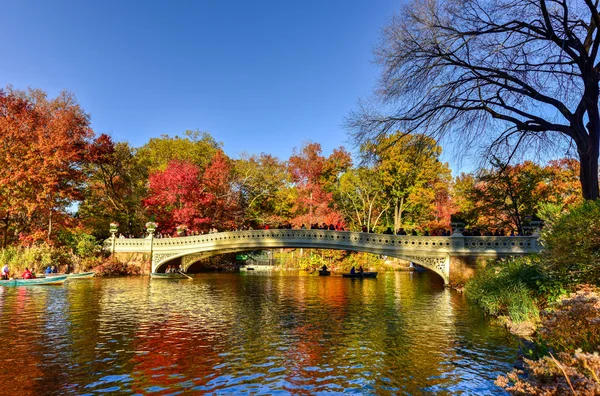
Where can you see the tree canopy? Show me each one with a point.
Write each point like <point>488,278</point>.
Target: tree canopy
<point>44,145</point>
<point>522,73</point>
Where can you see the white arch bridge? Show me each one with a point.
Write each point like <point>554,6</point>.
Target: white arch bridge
<point>453,257</point>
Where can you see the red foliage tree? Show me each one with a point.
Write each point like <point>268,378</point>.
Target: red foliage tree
<point>177,197</point>
<point>221,207</point>
<point>312,172</point>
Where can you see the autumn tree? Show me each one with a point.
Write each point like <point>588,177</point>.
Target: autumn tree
<point>362,198</point>
<point>520,73</point>
<point>221,206</point>
<point>116,183</point>
<point>563,176</point>
<point>264,188</point>
<point>414,179</point>
<point>314,177</point>
<point>506,195</point>
<point>176,197</point>
<point>43,146</point>
<point>194,147</point>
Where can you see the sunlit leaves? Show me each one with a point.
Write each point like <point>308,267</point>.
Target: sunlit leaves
<point>43,147</point>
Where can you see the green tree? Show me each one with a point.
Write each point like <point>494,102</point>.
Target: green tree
<point>263,185</point>
<point>362,198</point>
<point>572,245</point>
<point>414,178</point>
<point>195,147</point>
<point>115,186</point>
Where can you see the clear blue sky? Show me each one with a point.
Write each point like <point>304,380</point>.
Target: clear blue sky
<point>260,76</point>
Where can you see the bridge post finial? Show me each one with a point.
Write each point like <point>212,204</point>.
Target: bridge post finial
<point>457,241</point>
<point>114,227</point>
<point>151,228</point>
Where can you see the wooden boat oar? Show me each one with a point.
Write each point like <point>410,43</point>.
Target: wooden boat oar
<point>189,277</point>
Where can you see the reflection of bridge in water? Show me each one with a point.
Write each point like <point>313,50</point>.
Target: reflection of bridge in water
<point>452,257</point>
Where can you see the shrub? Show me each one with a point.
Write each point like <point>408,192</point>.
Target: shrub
<point>566,374</point>
<point>573,322</point>
<point>508,287</point>
<point>572,245</point>
<point>114,267</point>
<point>571,328</point>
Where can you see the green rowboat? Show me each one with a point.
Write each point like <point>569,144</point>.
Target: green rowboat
<point>54,280</point>
<point>83,275</point>
<point>161,275</point>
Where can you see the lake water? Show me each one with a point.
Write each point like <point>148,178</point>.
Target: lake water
<point>256,333</point>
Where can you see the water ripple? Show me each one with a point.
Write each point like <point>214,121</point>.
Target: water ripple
<point>252,333</point>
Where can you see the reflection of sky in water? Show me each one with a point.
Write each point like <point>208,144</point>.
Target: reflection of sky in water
<point>254,332</point>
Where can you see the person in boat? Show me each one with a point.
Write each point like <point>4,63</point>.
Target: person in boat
<point>27,274</point>
<point>54,269</point>
<point>5,272</point>
<point>48,270</point>
<point>352,271</point>
<point>360,269</point>
<point>324,267</point>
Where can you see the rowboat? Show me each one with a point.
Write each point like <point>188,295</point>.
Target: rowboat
<point>54,280</point>
<point>82,275</point>
<point>162,275</point>
<point>324,273</point>
<point>362,275</point>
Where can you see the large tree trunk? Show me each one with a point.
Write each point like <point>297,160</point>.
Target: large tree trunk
<point>588,172</point>
<point>589,152</point>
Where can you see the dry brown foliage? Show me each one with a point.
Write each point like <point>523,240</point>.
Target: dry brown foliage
<point>574,323</point>
<point>114,267</point>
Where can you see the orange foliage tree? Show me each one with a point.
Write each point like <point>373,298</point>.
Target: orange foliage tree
<point>508,196</point>
<point>313,175</point>
<point>43,146</point>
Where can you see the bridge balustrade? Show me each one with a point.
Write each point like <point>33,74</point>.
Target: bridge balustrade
<point>433,252</point>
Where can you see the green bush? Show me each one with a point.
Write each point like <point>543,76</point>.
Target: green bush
<point>508,287</point>
<point>572,246</point>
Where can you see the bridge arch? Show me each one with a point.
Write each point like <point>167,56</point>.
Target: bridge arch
<point>437,264</point>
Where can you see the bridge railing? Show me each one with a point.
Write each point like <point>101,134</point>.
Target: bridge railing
<point>456,243</point>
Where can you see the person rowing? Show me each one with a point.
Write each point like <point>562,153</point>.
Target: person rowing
<point>27,274</point>
<point>5,272</point>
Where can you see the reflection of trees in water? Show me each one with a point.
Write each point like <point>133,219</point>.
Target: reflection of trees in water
<point>224,332</point>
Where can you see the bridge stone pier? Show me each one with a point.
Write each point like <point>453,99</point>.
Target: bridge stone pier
<point>452,257</point>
